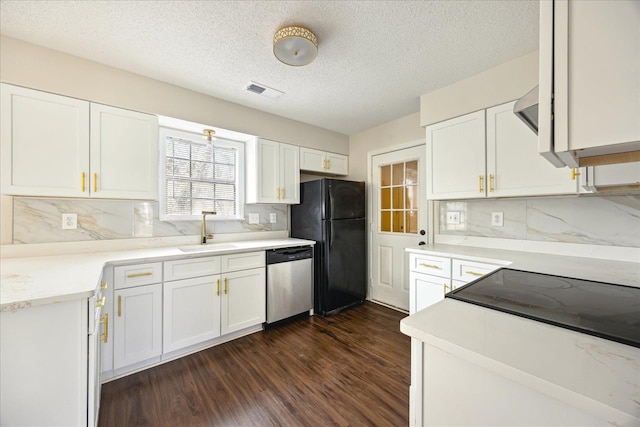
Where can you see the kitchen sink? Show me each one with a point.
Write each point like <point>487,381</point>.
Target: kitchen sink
<point>212,247</point>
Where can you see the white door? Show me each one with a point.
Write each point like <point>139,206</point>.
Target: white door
<point>398,220</point>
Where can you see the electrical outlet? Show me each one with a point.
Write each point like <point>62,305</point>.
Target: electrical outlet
<point>453,218</point>
<point>497,219</point>
<point>272,218</point>
<point>254,218</point>
<point>69,221</point>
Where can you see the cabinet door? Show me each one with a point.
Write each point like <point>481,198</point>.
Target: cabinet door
<point>514,166</point>
<point>596,69</point>
<point>337,163</point>
<point>289,174</point>
<point>124,153</point>
<point>243,299</point>
<point>456,158</point>
<point>191,312</point>
<point>426,290</point>
<point>137,325</point>
<point>45,143</point>
<point>267,176</point>
<point>312,160</point>
<point>106,333</point>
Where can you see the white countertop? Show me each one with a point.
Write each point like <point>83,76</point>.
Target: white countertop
<point>618,272</point>
<point>29,281</point>
<point>599,376</point>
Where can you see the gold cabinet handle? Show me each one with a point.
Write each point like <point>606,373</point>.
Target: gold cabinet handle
<point>95,182</point>
<point>491,177</point>
<point>104,286</point>
<point>104,337</point>
<point>423,264</point>
<point>218,287</point>
<point>225,285</point>
<point>480,183</point>
<point>474,273</point>
<point>83,182</point>
<point>282,193</point>
<point>574,174</point>
<point>444,289</point>
<point>119,305</point>
<point>328,164</point>
<point>134,275</point>
<point>100,302</point>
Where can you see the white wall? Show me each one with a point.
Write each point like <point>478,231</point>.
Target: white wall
<point>494,86</point>
<point>28,65</point>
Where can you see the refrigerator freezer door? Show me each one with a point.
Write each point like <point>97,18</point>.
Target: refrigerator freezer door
<point>345,264</point>
<point>344,199</point>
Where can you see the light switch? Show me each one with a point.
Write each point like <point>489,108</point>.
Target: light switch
<point>254,218</point>
<point>272,218</point>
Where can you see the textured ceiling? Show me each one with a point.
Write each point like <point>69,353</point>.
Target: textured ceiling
<point>375,57</point>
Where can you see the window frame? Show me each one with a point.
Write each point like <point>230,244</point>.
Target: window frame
<point>165,132</point>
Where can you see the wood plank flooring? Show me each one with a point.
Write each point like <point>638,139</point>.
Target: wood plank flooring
<point>351,369</point>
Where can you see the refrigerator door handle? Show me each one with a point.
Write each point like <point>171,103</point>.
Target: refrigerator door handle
<point>330,234</point>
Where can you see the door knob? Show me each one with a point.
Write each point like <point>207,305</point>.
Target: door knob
<point>421,243</point>
<point>422,232</point>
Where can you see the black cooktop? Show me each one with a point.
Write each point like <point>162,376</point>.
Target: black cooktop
<point>605,310</point>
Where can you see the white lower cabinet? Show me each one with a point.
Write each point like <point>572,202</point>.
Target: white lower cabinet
<point>427,290</point>
<point>137,331</point>
<point>49,364</point>
<point>244,299</point>
<point>191,312</point>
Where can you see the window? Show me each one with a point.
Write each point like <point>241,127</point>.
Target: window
<point>198,175</point>
<point>399,197</point>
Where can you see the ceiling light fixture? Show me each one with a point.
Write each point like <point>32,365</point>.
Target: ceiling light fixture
<point>209,133</point>
<point>295,45</point>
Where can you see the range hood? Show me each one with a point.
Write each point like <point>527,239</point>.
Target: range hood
<point>527,109</point>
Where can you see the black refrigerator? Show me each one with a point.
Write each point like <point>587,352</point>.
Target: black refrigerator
<point>332,212</point>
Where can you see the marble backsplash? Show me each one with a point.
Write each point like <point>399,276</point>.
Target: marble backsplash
<point>607,221</point>
<point>37,220</point>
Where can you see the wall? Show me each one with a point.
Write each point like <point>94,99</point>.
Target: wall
<point>593,220</point>
<point>395,132</point>
<point>38,220</point>
<point>40,68</point>
<point>495,86</point>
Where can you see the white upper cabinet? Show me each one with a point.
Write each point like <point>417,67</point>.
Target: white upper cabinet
<point>456,158</point>
<point>124,153</point>
<point>273,172</point>
<point>590,59</point>
<point>514,167</point>
<point>45,143</point>
<point>324,162</point>
<point>58,146</point>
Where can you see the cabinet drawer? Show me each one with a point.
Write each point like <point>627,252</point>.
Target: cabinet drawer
<point>128,276</point>
<point>191,267</point>
<point>243,261</point>
<point>437,266</point>
<point>466,271</point>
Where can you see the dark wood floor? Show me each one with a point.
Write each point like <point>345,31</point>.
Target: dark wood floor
<point>351,369</point>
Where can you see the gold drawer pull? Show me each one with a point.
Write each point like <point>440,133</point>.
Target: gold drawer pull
<point>422,264</point>
<point>225,285</point>
<point>491,178</point>
<point>474,273</point>
<point>480,183</point>
<point>574,174</point>
<point>95,182</point>
<point>104,337</point>
<point>104,286</point>
<point>218,287</point>
<point>444,289</point>
<point>82,182</point>
<point>134,275</point>
<point>100,302</point>
<point>119,305</point>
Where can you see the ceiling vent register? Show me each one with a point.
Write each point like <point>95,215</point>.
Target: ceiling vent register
<point>263,90</point>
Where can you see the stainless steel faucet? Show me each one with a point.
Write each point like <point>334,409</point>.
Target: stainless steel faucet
<point>203,233</point>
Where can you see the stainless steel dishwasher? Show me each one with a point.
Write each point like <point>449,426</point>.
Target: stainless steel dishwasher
<point>289,282</point>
